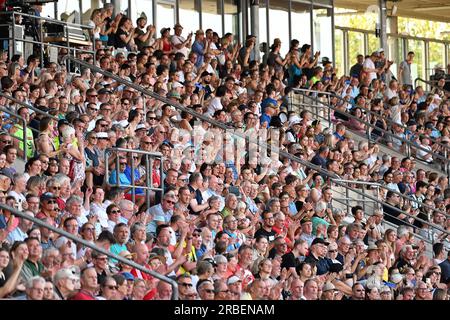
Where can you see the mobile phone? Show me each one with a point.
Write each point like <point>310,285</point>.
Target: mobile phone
<point>3,223</point>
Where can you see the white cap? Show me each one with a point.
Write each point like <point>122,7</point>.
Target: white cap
<point>140,126</point>
<point>233,279</point>
<point>176,85</point>
<point>380,50</point>
<point>102,135</point>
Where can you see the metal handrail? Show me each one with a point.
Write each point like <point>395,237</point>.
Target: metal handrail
<point>92,246</point>
<point>41,42</point>
<point>239,134</point>
<point>148,168</point>
<point>368,124</point>
<point>393,35</point>
<point>410,199</point>
<point>23,104</point>
<point>24,132</point>
<point>367,111</point>
<point>432,84</point>
<point>358,182</point>
<point>46,19</point>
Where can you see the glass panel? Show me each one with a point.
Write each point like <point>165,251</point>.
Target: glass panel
<point>279,23</point>
<point>212,15</point>
<point>322,32</point>
<point>67,7</point>
<point>231,17</point>
<point>142,7</point>
<point>339,52</point>
<point>395,53</point>
<point>166,17</point>
<point>189,16</point>
<point>418,65</point>
<point>48,10</point>
<point>86,6</point>
<point>436,56</point>
<point>355,45</point>
<point>374,43</point>
<point>301,22</point>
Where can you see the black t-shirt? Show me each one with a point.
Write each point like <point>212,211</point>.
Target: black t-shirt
<point>391,215</point>
<point>263,232</point>
<point>119,43</point>
<point>288,261</point>
<point>139,43</point>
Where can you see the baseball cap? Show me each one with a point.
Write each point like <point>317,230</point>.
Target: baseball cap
<point>174,94</point>
<point>47,196</point>
<point>164,30</point>
<point>328,286</point>
<point>104,91</point>
<point>380,50</point>
<point>319,241</point>
<point>205,73</point>
<point>305,220</point>
<point>101,135</point>
<point>326,60</point>
<point>126,254</point>
<point>140,127</point>
<point>385,289</point>
<point>233,279</point>
<point>127,276</point>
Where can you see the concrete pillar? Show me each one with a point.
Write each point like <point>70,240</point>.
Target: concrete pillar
<point>383,24</point>
<point>254,12</point>
<point>116,4</point>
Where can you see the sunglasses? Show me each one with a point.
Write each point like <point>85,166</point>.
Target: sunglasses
<point>112,287</point>
<point>170,202</point>
<point>208,290</point>
<point>56,188</point>
<point>115,211</point>
<point>186,285</point>
<point>51,202</point>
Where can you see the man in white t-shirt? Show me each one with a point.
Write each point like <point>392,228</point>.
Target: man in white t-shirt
<point>369,66</point>
<point>179,43</point>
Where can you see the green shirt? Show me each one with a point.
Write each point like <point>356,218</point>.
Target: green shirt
<point>18,133</point>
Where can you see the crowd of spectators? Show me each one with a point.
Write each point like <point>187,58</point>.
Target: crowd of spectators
<point>233,223</point>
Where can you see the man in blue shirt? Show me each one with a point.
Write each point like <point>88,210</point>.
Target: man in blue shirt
<point>265,118</point>
<point>200,47</point>
<point>162,212</point>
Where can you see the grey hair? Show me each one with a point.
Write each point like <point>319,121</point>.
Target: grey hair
<point>49,251</point>
<point>30,282</point>
<point>61,178</point>
<point>73,199</point>
<point>402,231</point>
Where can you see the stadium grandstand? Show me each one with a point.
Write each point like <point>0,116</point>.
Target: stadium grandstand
<point>222,150</point>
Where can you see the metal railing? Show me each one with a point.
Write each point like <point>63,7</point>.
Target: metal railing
<point>149,158</point>
<point>363,184</point>
<point>431,84</point>
<point>398,47</point>
<point>23,104</point>
<point>37,24</point>
<point>92,246</point>
<point>369,128</point>
<point>329,95</point>
<point>249,139</point>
